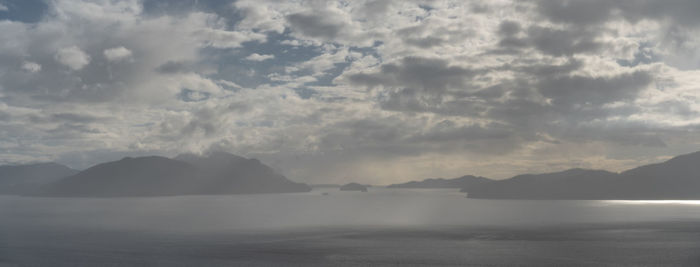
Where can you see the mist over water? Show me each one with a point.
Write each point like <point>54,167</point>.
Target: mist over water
<point>379,227</point>
<point>378,207</point>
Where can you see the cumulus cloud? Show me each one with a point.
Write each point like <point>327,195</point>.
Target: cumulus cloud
<point>31,66</point>
<point>259,57</point>
<point>72,57</point>
<point>117,53</point>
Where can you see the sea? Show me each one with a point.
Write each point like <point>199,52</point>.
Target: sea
<point>328,227</point>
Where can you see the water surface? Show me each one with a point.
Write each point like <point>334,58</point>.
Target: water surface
<point>379,227</point>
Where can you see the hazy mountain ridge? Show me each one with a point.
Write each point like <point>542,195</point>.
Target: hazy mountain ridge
<point>22,179</point>
<point>463,182</point>
<point>677,178</point>
<point>217,173</point>
<point>223,173</point>
<point>226,173</point>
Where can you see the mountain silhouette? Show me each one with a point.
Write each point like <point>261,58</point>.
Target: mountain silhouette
<point>23,179</point>
<point>463,182</point>
<point>569,184</point>
<point>216,173</point>
<point>224,173</point>
<point>677,178</point>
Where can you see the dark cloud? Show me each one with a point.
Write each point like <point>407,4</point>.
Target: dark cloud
<point>417,84</point>
<point>315,25</point>
<point>575,90</point>
<point>548,70</point>
<point>595,12</point>
<point>552,41</point>
<point>509,28</point>
<point>426,42</point>
<point>517,108</point>
<point>577,12</point>
<point>563,42</point>
<point>172,67</point>
<point>432,76</point>
<point>420,36</point>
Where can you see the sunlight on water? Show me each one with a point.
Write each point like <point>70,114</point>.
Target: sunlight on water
<point>682,202</point>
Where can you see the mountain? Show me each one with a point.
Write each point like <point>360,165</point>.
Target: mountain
<point>142,176</point>
<point>353,187</point>
<point>569,184</point>
<point>463,182</point>
<point>677,178</point>
<point>224,173</point>
<point>22,179</point>
<point>217,173</point>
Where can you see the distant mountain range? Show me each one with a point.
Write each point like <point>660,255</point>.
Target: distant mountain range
<point>569,184</point>
<point>27,179</point>
<point>216,173</point>
<point>464,182</point>
<point>677,178</point>
<point>224,173</point>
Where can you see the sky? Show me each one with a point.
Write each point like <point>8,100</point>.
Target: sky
<point>366,91</point>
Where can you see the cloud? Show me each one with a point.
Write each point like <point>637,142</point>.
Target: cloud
<point>315,25</point>
<point>429,75</point>
<point>117,53</point>
<point>31,66</point>
<point>570,91</point>
<point>259,57</point>
<point>218,38</point>
<point>594,12</point>
<point>374,91</point>
<point>3,7</point>
<point>72,57</point>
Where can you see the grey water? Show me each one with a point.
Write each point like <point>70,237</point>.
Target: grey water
<point>382,227</point>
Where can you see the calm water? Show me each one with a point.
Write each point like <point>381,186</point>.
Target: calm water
<point>380,227</point>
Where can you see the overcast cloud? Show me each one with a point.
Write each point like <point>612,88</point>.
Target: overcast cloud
<point>368,91</point>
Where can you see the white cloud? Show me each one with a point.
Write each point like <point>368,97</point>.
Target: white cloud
<point>31,66</point>
<point>3,7</point>
<point>226,39</point>
<point>117,53</point>
<point>73,57</point>
<point>259,57</point>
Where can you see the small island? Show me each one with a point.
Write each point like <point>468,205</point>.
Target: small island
<point>354,187</point>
